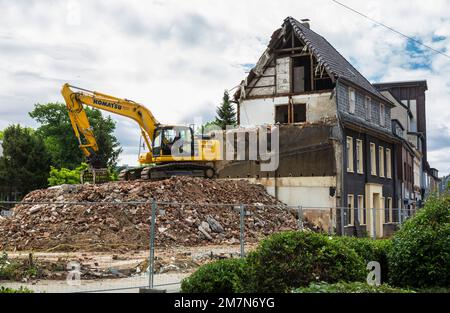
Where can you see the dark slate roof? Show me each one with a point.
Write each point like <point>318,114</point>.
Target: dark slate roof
<point>333,61</point>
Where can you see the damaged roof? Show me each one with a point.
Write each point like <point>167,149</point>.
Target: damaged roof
<point>326,54</point>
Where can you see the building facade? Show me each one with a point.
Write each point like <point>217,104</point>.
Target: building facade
<point>344,143</point>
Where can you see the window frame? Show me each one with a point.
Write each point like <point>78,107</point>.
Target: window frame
<point>362,217</point>
<point>351,208</point>
<point>390,210</point>
<point>373,159</point>
<point>350,158</point>
<point>388,163</point>
<point>351,102</point>
<point>381,161</point>
<point>359,156</point>
<point>368,107</point>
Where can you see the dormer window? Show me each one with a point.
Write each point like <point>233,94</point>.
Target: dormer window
<point>382,114</point>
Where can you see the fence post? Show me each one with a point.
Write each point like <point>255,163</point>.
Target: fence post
<point>242,224</point>
<point>374,223</point>
<point>300,217</point>
<point>152,245</point>
<point>342,220</point>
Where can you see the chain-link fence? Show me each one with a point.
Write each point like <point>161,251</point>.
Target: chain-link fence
<point>124,246</point>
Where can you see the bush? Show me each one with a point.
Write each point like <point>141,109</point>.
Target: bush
<point>65,176</point>
<point>224,276</point>
<point>290,259</point>
<point>11,290</point>
<point>15,270</point>
<point>349,287</point>
<point>420,254</point>
<point>370,250</point>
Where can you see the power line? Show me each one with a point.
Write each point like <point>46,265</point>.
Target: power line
<point>391,29</point>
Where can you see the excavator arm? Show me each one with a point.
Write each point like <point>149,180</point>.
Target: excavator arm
<point>80,123</point>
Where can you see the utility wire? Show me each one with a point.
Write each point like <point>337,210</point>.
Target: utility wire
<point>391,29</point>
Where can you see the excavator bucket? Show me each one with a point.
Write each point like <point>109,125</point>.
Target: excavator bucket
<point>95,176</point>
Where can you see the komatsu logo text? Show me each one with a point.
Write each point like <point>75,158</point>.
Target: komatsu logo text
<point>108,104</point>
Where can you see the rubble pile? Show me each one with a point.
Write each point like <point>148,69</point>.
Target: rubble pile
<point>95,218</point>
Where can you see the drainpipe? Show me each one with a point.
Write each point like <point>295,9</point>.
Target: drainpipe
<point>342,140</point>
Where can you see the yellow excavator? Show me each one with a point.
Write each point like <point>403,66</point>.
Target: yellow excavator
<point>172,150</point>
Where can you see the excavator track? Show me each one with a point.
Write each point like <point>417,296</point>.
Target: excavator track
<point>130,174</point>
<point>177,169</point>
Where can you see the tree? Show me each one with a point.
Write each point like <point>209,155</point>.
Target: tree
<point>1,135</point>
<point>61,142</point>
<point>226,115</point>
<point>25,162</point>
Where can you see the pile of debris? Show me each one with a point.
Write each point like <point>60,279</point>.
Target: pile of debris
<point>190,211</point>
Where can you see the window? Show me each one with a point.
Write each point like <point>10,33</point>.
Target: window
<point>368,106</point>
<point>373,159</point>
<point>299,112</point>
<point>349,154</point>
<point>381,160</point>
<point>362,211</point>
<point>388,163</point>
<point>359,156</point>
<point>281,114</point>
<point>382,113</point>
<point>383,207</point>
<point>388,211</point>
<point>352,100</point>
<point>290,113</point>
<point>349,213</point>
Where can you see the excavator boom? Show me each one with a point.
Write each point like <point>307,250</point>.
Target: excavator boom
<point>172,150</point>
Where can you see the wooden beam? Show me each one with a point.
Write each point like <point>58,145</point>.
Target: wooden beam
<point>289,49</point>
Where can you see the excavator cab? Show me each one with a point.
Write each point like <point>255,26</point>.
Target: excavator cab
<point>173,141</point>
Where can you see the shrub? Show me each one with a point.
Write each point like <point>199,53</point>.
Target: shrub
<point>224,276</point>
<point>420,254</point>
<point>16,270</point>
<point>290,259</point>
<point>65,176</point>
<point>370,250</point>
<point>349,287</point>
<point>11,290</point>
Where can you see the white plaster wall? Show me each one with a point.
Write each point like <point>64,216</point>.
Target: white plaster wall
<point>308,192</point>
<point>262,111</point>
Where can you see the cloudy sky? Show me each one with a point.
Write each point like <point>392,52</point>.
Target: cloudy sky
<point>177,57</point>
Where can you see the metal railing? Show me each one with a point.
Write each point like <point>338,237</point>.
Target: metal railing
<point>172,238</point>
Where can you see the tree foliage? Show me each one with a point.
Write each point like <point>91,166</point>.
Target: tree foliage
<point>225,113</point>
<point>61,142</point>
<point>25,162</point>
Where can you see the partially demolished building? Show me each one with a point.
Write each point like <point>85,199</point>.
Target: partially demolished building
<point>336,142</point>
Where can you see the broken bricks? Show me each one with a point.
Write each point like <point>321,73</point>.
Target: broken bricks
<point>191,212</point>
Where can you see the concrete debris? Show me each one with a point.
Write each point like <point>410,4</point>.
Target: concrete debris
<point>215,225</point>
<point>186,215</point>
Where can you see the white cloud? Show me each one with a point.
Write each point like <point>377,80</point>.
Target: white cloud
<point>177,57</point>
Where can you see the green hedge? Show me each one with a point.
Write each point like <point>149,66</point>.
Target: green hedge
<point>371,250</point>
<point>224,276</point>
<point>349,287</point>
<point>420,254</point>
<point>291,259</point>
